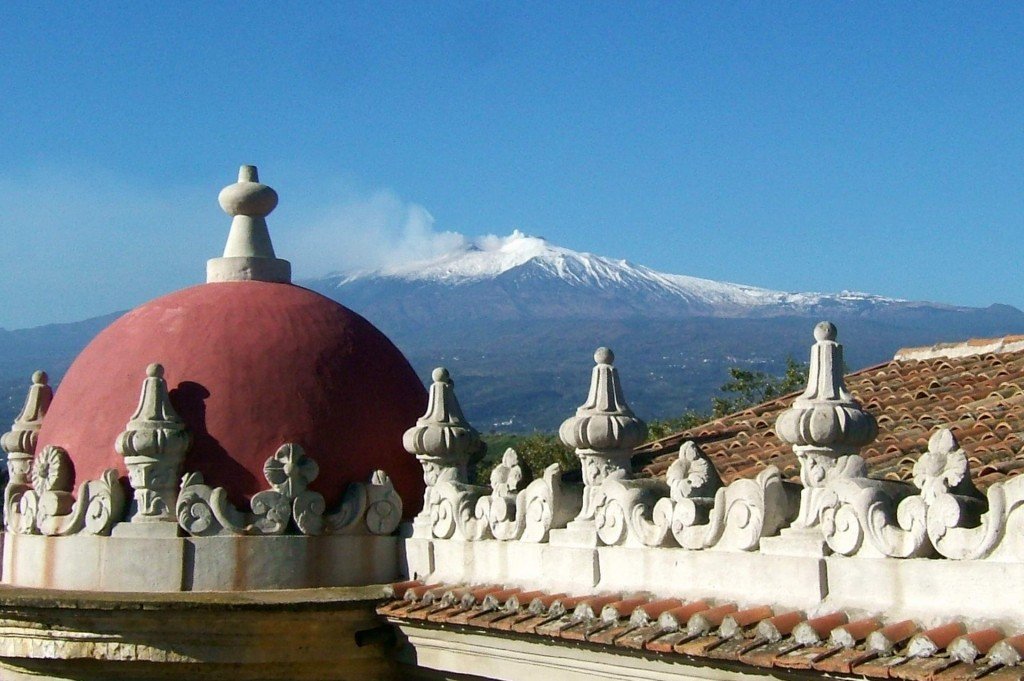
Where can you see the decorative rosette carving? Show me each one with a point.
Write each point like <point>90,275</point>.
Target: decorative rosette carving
<point>943,469</point>
<point>49,507</point>
<point>603,432</point>
<point>527,515</point>
<point>692,475</point>
<point>20,442</point>
<point>825,424</point>
<point>506,476</point>
<point>153,445</point>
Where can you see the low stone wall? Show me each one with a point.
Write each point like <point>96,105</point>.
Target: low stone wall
<point>301,635</point>
<point>219,563</point>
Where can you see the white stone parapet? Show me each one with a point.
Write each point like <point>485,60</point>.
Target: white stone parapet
<point>753,541</point>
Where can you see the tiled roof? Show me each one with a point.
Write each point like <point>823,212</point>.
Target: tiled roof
<point>762,637</point>
<point>975,388</point>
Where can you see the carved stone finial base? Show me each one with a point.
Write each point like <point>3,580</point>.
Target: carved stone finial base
<point>576,533</point>
<point>797,541</point>
<point>147,530</point>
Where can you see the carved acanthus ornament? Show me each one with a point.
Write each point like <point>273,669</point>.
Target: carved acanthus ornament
<point>962,523</point>
<point>373,508</point>
<point>825,425</point>
<point>603,432</point>
<point>49,508</point>
<point>153,445</point>
<point>20,442</point>
<point>693,509</point>
<point>530,514</point>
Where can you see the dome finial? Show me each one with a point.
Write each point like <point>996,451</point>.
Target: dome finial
<point>249,253</point>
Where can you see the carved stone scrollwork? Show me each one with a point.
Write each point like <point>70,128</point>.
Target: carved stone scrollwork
<point>49,507</point>
<point>373,508</point>
<point>529,514</point>
<point>703,514</point>
<point>498,509</point>
<point>865,517</point>
<point>961,522</point>
<point>153,445</point>
<point>20,444</point>
<point>384,506</point>
<point>692,508</point>
<point>624,512</point>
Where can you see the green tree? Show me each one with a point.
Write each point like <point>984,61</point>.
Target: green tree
<point>746,388</point>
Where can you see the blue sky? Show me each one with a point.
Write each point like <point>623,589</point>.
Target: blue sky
<point>797,146</point>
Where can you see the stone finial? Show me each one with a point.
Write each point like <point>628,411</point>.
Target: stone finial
<point>249,253</point>
<point>826,416</point>
<point>826,427</point>
<point>20,441</point>
<point>604,422</point>
<point>443,436</point>
<point>153,445</point>
<point>603,432</point>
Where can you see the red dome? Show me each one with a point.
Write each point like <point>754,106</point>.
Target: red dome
<point>250,366</point>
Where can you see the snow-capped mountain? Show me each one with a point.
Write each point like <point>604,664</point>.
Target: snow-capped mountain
<point>516,319</point>
<point>518,264</point>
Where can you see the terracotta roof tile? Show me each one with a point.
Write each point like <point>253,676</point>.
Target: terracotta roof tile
<point>829,644</point>
<point>676,618</point>
<point>979,396</point>
<point>885,639</point>
<point>804,658</point>
<point>698,646</point>
<point>934,641</point>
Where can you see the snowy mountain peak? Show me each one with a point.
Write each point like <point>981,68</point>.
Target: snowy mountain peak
<point>476,259</point>
<point>524,256</point>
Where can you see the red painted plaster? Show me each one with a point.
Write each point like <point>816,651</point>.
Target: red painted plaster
<point>250,365</point>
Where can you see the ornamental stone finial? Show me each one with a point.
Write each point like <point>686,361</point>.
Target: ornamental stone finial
<point>20,441</point>
<point>249,253</point>
<point>604,422</point>
<point>826,416</point>
<point>442,437</point>
<point>153,445</point>
<point>604,430</point>
<point>825,425</point>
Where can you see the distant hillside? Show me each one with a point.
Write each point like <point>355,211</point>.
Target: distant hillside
<point>517,321</point>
